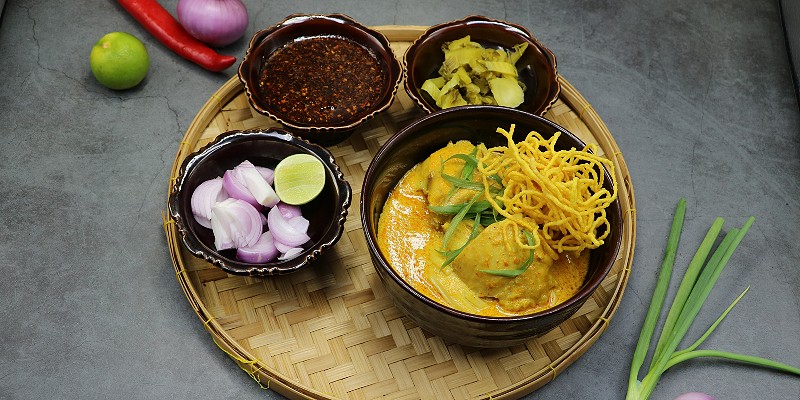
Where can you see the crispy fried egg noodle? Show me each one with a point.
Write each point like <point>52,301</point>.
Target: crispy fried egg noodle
<point>561,191</point>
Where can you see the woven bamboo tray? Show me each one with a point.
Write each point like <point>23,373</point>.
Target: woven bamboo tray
<point>331,331</point>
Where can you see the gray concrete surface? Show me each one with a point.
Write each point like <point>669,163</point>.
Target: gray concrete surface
<point>698,95</point>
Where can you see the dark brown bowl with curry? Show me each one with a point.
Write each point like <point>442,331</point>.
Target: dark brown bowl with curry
<point>491,284</point>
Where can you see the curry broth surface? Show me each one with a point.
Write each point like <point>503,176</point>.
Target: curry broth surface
<point>409,234</point>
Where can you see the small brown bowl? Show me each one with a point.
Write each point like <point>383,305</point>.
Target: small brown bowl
<point>303,27</point>
<point>326,213</point>
<point>536,67</point>
<point>415,143</point>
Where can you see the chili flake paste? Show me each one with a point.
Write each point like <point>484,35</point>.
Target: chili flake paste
<point>322,80</point>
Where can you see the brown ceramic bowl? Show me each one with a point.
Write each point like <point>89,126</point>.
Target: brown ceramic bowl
<point>302,27</point>
<point>326,213</point>
<point>414,144</point>
<point>536,67</point>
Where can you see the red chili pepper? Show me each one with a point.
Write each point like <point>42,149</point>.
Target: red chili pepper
<point>164,27</point>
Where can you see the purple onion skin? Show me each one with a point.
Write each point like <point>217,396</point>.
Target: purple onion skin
<point>204,197</point>
<point>214,22</point>
<point>694,396</point>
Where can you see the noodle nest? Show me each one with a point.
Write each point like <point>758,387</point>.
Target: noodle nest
<point>558,195</point>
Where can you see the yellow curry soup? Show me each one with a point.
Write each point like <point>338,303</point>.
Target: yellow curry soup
<point>411,237</point>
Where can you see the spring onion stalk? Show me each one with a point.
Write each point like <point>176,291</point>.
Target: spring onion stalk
<point>686,284</point>
<point>497,179</point>
<point>697,283</point>
<point>657,300</point>
<point>758,361</point>
<point>713,326</point>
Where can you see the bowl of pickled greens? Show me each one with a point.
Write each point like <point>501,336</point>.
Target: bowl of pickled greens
<point>481,61</point>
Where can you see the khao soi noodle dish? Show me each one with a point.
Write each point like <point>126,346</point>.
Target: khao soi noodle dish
<point>501,231</point>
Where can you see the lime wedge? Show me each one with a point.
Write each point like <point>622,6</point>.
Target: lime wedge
<point>299,178</point>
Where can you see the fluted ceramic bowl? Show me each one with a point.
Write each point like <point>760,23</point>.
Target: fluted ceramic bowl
<point>294,28</point>
<point>536,67</point>
<point>265,148</point>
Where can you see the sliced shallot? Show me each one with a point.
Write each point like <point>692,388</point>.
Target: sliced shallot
<point>222,235</point>
<point>283,231</point>
<point>255,183</point>
<point>262,251</point>
<point>236,188</point>
<point>204,197</point>
<point>282,247</point>
<point>299,223</point>
<point>290,254</point>
<point>236,223</point>
<point>267,173</point>
<point>288,211</point>
<point>230,206</point>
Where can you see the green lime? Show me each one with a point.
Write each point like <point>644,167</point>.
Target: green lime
<point>119,60</point>
<point>299,178</point>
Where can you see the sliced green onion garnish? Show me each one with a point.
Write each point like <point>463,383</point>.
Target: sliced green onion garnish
<point>476,207</point>
<point>470,163</point>
<point>463,183</point>
<point>497,179</point>
<point>488,218</point>
<point>457,220</point>
<point>452,254</point>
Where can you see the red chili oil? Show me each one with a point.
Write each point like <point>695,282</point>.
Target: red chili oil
<point>322,80</point>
